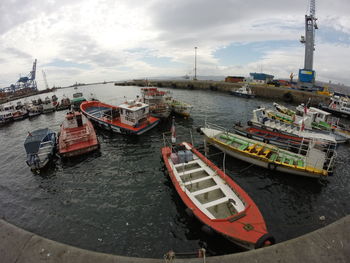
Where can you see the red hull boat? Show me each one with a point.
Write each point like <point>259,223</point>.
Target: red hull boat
<point>77,136</point>
<point>214,198</point>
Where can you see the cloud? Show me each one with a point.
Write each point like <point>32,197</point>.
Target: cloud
<point>94,40</point>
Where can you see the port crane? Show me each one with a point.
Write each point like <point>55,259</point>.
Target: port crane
<point>307,74</point>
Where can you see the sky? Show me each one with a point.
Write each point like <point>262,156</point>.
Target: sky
<point>108,40</point>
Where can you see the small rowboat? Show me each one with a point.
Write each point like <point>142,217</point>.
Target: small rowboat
<point>214,198</point>
<point>129,118</point>
<point>77,136</point>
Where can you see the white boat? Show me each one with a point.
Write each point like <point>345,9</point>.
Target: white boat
<point>244,91</point>
<point>339,106</point>
<point>315,163</point>
<point>156,101</point>
<point>48,105</point>
<point>178,107</point>
<point>34,110</point>
<point>262,119</point>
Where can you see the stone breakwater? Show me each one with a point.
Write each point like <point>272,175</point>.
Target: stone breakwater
<point>263,91</point>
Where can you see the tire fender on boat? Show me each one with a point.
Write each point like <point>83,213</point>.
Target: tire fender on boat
<point>265,240</point>
<point>249,135</point>
<point>249,123</point>
<point>274,130</point>
<point>266,141</point>
<point>272,166</point>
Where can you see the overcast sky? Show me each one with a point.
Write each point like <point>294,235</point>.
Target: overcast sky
<point>97,40</point>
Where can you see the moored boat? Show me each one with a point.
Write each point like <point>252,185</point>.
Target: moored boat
<point>64,104</point>
<point>34,110</point>
<point>339,106</point>
<point>244,91</point>
<point>214,198</point>
<point>48,106</point>
<point>179,107</point>
<point>261,118</point>
<point>40,146</point>
<point>77,136</point>
<point>6,113</point>
<point>131,117</point>
<point>78,98</point>
<point>314,163</point>
<point>156,101</point>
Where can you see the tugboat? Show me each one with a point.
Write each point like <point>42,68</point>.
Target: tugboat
<point>213,197</point>
<point>77,136</point>
<point>156,101</point>
<point>131,117</point>
<point>40,146</point>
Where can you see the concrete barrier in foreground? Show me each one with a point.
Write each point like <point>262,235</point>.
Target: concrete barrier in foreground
<point>329,244</point>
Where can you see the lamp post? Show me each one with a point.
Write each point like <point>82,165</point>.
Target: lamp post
<point>195,63</point>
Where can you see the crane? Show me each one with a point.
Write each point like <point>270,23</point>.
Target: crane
<point>307,74</point>
<point>45,80</point>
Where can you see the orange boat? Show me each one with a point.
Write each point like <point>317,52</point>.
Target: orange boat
<point>77,136</point>
<point>131,117</point>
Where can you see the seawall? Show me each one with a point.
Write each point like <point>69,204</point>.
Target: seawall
<point>264,91</point>
<point>328,244</point>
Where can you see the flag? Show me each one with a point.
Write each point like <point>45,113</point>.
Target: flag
<point>173,132</point>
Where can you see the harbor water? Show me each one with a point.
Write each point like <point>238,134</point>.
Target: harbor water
<point>119,200</point>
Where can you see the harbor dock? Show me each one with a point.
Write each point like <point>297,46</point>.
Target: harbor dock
<point>328,244</point>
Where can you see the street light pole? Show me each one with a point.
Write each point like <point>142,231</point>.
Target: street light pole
<point>195,63</point>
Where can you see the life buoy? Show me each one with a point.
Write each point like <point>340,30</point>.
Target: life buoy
<point>271,166</point>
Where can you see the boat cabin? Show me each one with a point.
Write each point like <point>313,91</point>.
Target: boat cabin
<point>8,107</point>
<point>341,104</point>
<point>133,113</point>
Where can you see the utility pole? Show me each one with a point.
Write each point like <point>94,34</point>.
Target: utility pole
<point>195,63</point>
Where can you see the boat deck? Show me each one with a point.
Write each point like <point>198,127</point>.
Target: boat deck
<point>207,190</point>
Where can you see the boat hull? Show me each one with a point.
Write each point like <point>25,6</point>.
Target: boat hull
<point>242,238</point>
<point>242,95</point>
<point>336,112</point>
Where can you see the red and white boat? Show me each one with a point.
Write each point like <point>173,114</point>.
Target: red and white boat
<point>214,198</point>
<point>131,117</point>
<point>77,136</point>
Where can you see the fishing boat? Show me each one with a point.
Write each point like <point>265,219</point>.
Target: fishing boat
<point>40,146</point>
<point>179,107</point>
<point>77,136</point>
<point>339,106</point>
<point>64,104</point>
<point>261,118</point>
<point>285,141</point>
<point>20,112</point>
<point>244,91</point>
<point>323,120</point>
<point>78,98</point>
<point>34,110</point>
<point>156,101</point>
<point>6,113</point>
<point>316,163</point>
<point>213,197</point>
<point>48,105</point>
<point>131,117</point>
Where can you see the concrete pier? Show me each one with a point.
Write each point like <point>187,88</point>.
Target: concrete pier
<point>329,244</point>
<point>263,91</point>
